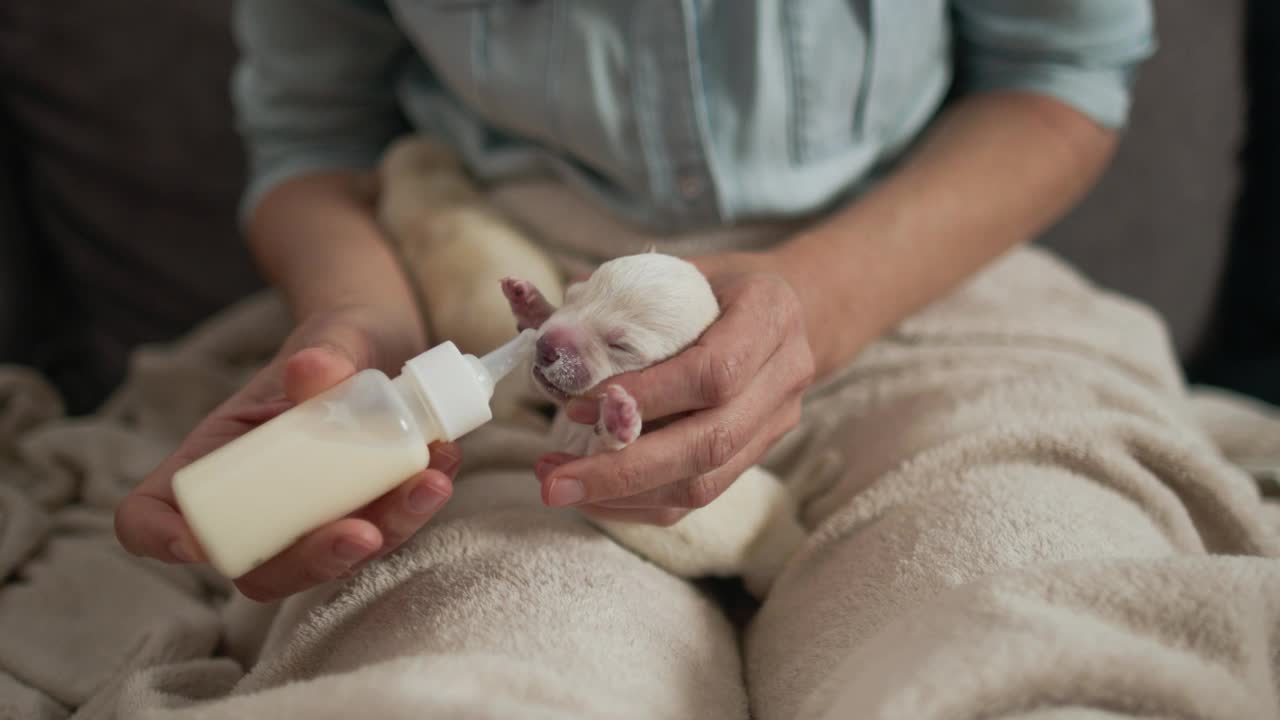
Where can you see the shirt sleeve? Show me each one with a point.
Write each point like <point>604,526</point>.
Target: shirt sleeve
<point>1082,52</point>
<point>314,88</point>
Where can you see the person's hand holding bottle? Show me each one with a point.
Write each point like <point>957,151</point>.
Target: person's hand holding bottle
<point>317,241</point>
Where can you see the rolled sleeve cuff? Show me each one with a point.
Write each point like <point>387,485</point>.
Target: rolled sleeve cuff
<point>1085,53</point>
<point>1103,95</point>
<point>270,175</point>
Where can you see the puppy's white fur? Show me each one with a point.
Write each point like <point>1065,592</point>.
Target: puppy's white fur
<point>456,248</point>
<point>634,312</point>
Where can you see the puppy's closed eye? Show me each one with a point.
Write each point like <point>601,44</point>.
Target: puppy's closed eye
<point>618,342</point>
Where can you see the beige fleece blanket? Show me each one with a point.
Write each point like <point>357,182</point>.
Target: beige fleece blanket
<point>503,609</point>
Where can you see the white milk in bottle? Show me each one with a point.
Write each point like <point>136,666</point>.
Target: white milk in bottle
<point>315,463</point>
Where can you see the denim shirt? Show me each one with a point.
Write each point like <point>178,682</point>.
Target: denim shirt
<point>676,113</point>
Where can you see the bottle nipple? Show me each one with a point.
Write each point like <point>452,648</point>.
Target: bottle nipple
<point>501,361</point>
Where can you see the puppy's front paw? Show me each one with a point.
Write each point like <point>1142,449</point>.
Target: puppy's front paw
<point>528,304</point>
<point>619,423</point>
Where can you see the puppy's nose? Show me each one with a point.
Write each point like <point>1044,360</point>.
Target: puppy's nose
<point>554,344</point>
<point>547,352</point>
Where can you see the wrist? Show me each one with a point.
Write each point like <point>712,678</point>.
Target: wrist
<point>370,336</point>
<point>391,328</point>
<point>837,329</point>
<point>834,331</point>
<point>398,316</point>
<point>319,243</point>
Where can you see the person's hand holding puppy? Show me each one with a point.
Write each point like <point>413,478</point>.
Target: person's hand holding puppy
<point>718,406</point>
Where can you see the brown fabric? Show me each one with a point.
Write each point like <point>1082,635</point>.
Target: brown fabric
<point>129,168</point>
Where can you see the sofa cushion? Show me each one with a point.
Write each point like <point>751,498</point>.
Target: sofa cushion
<point>1158,224</point>
<point>131,167</point>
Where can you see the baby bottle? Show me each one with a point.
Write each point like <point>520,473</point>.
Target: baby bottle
<point>318,461</point>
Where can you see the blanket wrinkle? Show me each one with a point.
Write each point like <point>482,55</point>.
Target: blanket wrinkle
<point>1070,314</point>
<point>78,615</point>
<point>1112,646</point>
<point>23,526</point>
<point>22,701</point>
<point>1034,519</point>
<point>27,400</point>
<point>1245,430</point>
<point>64,610</point>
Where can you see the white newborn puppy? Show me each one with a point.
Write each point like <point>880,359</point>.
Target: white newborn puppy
<point>633,312</point>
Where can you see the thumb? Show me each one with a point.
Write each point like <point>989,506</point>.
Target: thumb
<point>151,527</point>
<point>311,371</point>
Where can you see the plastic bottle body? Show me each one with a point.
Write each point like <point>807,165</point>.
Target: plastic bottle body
<point>309,466</point>
<point>319,461</point>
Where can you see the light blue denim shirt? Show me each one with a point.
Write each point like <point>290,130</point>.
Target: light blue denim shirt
<point>677,113</point>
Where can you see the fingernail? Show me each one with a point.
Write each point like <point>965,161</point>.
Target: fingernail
<point>424,499</point>
<point>180,550</point>
<point>565,491</point>
<point>349,552</point>
<point>581,410</point>
<point>545,466</point>
<point>447,461</point>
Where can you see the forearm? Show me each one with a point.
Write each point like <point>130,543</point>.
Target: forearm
<point>317,240</point>
<point>994,171</point>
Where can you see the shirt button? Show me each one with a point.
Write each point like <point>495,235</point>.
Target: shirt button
<point>692,186</point>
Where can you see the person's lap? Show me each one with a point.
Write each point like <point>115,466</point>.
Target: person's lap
<point>1026,423</point>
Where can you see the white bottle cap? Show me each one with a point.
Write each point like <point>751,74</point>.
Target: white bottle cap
<point>455,388</point>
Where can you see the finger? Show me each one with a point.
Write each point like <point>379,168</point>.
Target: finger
<point>254,414</point>
<point>311,371</point>
<point>663,517</point>
<point>715,369</point>
<point>700,491</point>
<point>400,513</point>
<point>446,457</point>
<point>148,521</point>
<point>323,555</point>
<point>550,462</point>
<point>150,527</point>
<point>403,511</point>
<point>331,552</point>
<point>693,446</point>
